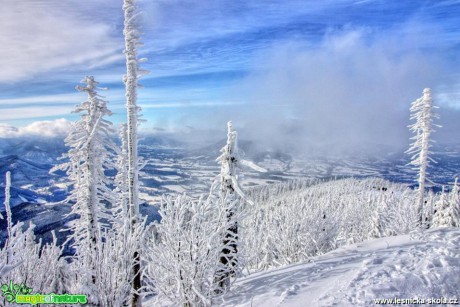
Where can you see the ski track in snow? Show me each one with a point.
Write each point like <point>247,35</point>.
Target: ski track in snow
<point>410,266</point>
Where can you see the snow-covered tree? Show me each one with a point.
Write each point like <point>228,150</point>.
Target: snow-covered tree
<point>89,157</point>
<point>455,204</point>
<point>227,186</point>
<point>292,222</point>
<point>22,259</point>
<point>6,264</point>
<point>423,114</point>
<point>121,208</point>
<point>230,161</point>
<point>115,264</point>
<point>184,250</point>
<point>133,73</point>
<point>7,202</point>
<point>441,215</point>
<point>429,209</point>
<point>447,210</point>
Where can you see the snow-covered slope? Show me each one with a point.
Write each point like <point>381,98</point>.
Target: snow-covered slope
<point>31,181</point>
<point>26,172</point>
<point>43,150</point>
<point>404,267</point>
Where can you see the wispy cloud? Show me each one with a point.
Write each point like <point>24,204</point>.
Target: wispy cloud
<point>41,36</point>
<point>33,107</point>
<point>10,114</point>
<point>68,98</point>
<point>191,104</point>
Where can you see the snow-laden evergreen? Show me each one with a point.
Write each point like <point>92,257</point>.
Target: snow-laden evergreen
<point>422,111</point>
<point>454,210</point>
<point>114,264</point>
<point>201,235</point>
<point>185,248</point>
<point>447,209</point>
<point>121,205</point>
<point>230,161</point>
<point>22,259</point>
<point>132,40</point>
<point>288,223</point>
<point>133,73</point>
<point>90,155</point>
<point>296,224</point>
<point>39,265</point>
<point>7,202</point>
<point>226,186</point>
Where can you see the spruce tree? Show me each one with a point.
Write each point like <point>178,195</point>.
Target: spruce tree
<point>229,190</point>
<point>423,114</point>
<point>90,155</point>
<point>133,73</point>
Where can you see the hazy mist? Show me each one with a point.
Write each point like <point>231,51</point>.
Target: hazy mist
<point>347,92</point>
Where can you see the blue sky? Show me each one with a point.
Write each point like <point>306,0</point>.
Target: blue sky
<point>308,68</point>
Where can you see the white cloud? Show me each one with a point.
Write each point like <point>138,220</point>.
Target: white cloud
<point>8,130</point>
<point>73,97</point>
<point>38,36</point>
<point>190,104</point>
<point>46,105</point>
<point>8,114</point>
<point>353,89</point>
<point>46,128</point>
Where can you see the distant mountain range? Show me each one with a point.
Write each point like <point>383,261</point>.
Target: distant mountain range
<point>173,167</point>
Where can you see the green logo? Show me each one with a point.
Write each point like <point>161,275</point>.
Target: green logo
<point>10,291</point>
<point>21,294</point>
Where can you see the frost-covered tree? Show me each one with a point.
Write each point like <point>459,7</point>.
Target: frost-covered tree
<point>24,260</point>
<point>121,208</point>
<point>230,162</point>
<point>423,114</point>
<point>89,157</point>
<point>441,215</point>
<point>7,192</point>
<point>7,202</point>
<point>293,222</point>
<point>455,204</point>
<point>185,248</point>
<point>115,264</point>
<point>133,73</point>
<point>193,252</point>
<point>7,261</point>
<point>447,210</point>
<point>226,184</point>
<point>378,218</point>
<point>428,213</point>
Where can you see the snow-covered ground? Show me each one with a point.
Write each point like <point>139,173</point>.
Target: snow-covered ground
<point>402,267</point>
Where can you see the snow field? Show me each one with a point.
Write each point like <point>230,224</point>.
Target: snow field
<point>406,266</point>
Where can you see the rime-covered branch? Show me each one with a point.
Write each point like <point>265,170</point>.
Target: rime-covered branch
<point>7,202</point>
<point>91,154</point>
<point>230,161</point>
<point>423,114</point>
<point>133,73</point>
